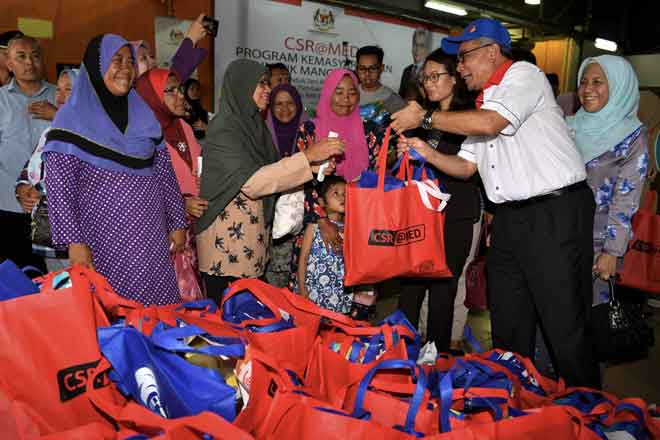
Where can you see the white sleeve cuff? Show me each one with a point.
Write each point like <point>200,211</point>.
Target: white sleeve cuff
<point>506,113</point>
<point>467,155</point>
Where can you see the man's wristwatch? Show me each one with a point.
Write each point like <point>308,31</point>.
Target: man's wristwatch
<point>427,121</point>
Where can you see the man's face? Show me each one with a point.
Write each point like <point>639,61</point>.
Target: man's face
<point>476,63</point>
<point>419,49</point>
<point>279,76</point>
<point>369,71</point>
<point>24,60</point>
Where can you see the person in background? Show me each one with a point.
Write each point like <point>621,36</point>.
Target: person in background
<point>614,146</point>
<point>421,44</point>
<point>26,109</point>
<point>369,68</point>
<point>161,89</point>
<point>337,111</point>
<point>5,73</point>
<point>445,91</point>
<point>31,190</point>
<point>241,176</point>
<point>196,114</point>
<point>285,114</point>
<point>113,198</point>
<point>279,74</point>
<point>541,251</point>
<point>321,269</point>
<point>187,57</point>
<point>553,79</point>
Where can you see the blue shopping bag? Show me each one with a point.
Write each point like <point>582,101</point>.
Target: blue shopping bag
<point>14,282</point>
<point>414,343</point>
<point>150,371</point>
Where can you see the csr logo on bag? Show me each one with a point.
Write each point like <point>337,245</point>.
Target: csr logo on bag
<point>402,237</point>
<point>72,381</point>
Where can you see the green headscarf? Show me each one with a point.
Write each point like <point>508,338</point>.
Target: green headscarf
<point>596,133</point>
<point>237,143</point>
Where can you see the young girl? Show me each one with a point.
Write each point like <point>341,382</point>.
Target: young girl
<point>321,269</point>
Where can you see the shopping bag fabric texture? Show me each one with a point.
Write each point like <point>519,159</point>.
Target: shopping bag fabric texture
<point>48,356</point>
<point>391,233</point>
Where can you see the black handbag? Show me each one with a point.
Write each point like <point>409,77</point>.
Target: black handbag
<point>40,226</point>
<point>619,331</point>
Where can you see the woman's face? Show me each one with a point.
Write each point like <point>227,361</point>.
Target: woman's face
<point>62,90</point>
<point>345,97</point>
<point>261,94</point>
<point>145,61</point>
<point>121,72</point>
<point>594,91</point>
<point>173,97</point>
<point>284,108</point>
<point>438,83</point>
<point>193,91</point>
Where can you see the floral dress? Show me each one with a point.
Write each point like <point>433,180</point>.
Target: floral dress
<point>616,178</point>
<point>325,276</point>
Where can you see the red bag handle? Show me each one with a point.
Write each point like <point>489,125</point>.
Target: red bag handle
<point>256,288</point>
<point>381,163</point>
<point>649,201</point>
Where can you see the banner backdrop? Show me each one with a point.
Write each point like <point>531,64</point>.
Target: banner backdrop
<point>310,38</point>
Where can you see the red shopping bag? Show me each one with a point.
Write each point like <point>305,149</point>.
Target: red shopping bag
<point>186,275</point>
<point>271,321</point>
<point>132,418</point>
<point>641,264</point>
<point>393,229</point>
<point>49,348</point>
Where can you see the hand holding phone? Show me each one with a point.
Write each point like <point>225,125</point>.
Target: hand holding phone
<point>324,166</point>
<point>211,25</point>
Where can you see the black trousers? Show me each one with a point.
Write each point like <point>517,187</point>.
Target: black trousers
<point>539,271</point>
<point>442,292</point>
<point>17,245</point>
<point>215,286</point>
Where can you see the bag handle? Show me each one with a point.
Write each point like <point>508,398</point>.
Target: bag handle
<point>381,162</point>
<point>256,288</point>
<point>419,172</point>
<point>171,339</point>
<point>428,188</point>
<point>417,375</point>
<point>205,305</point>
<point>649,202</point>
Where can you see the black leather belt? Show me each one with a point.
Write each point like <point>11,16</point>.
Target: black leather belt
<point>551,195</point>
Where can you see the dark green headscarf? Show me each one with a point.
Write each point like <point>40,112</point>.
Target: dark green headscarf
<point>237,143</point>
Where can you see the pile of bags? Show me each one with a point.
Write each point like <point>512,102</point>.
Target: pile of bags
<point>81,362</point>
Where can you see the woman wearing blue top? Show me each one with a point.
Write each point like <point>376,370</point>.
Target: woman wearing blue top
<point>614,147</point>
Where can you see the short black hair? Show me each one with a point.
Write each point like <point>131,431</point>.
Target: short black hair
<point>272,66</point>
<point>328,183</point>
<point>553,79</point>
<point>370,50</point>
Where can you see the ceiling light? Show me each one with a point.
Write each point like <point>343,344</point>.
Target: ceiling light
<point>607,45</point>
<point>533,2</point>
<point>445,7</point>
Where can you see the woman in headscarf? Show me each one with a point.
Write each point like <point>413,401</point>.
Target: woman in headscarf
<point>338,112</point>
<point>241,175</point>
<point>284,116</point>
<point>161,89</point>
<point>31,190</point>
<point>114,201</point>
<point>196,114</point>
<point>614,147</point>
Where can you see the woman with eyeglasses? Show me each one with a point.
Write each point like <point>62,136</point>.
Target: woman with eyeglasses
<point>113,200</point>
<point>242,173</point>
<point>162,90</point>
<point>445,91</point>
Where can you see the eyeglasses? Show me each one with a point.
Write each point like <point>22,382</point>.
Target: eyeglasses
<point>434,77</point>
<point>371,69</point>
<point>461,56</point>
<point>173,90</point>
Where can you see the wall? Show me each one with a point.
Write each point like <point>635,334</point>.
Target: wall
<point>75,22</point>
<point>560,57</point>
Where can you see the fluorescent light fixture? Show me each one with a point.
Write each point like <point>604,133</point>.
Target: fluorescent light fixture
<point>445,7</point>
<point>533,2</point>
<point>607,45</point>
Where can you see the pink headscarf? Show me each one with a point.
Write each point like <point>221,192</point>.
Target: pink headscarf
<point>349,128</point>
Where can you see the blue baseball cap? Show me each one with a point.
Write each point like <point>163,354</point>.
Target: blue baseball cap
<point>483,27</point>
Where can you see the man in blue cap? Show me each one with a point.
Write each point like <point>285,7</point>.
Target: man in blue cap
<point>541,255</point>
